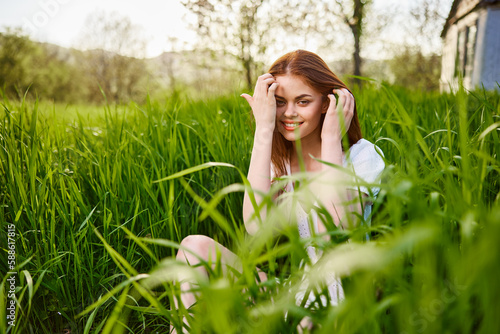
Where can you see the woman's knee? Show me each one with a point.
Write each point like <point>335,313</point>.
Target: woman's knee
<point>262,275</point>
<point>194,246</point>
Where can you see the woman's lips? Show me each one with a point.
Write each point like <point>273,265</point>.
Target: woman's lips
<point>290,126</point>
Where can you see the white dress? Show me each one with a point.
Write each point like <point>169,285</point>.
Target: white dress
<point>365,161</point>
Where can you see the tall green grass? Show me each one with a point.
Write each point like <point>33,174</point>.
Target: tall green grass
<point>96,234</point>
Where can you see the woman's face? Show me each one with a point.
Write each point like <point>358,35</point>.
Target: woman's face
<point>298,106</point>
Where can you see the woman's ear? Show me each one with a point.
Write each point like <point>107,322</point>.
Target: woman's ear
<point>325,104</point>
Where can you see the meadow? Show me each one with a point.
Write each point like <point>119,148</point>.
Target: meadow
<point>100,197</point>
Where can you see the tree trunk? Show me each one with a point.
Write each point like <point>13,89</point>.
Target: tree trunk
<point>248,74</point>
<point>356,25</point>
<point>356,54</point>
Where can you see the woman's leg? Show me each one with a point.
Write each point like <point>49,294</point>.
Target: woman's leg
<point>195,249</point>
<point>208,250</point>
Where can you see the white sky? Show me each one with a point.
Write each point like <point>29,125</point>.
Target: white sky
<point>62,21</point>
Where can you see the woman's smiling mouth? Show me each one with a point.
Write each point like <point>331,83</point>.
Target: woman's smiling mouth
<point>290,126</point>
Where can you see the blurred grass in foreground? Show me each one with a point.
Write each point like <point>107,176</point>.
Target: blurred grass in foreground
<point>96,234</point>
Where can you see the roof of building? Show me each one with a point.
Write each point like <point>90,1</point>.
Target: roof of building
<point>461,8</point>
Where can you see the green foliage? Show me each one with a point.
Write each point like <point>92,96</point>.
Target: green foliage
<point>15,62</point>
<point>113,63</point>
<point>240,29</point>
<point>28,68</point>
<point>414,70</point>
<point>48,72</point>
<point>91,220</point>
<point>55,78</point>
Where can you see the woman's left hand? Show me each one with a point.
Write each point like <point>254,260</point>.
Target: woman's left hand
<point>343,111</point>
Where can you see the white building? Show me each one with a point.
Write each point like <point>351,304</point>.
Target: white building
<point>471,45</point>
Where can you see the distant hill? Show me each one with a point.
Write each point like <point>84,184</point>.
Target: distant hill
<point>203,71</point>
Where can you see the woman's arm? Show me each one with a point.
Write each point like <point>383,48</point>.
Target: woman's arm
<point>331,151</point>
<point>263,104</point>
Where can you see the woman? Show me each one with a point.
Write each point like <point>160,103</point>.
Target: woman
<point>295,100</point>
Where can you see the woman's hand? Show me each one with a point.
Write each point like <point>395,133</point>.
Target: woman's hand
<point>338,114</point>
<point>263,102</point>
<point>305,326</point>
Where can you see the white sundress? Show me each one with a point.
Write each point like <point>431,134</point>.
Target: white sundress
<point>365,160</point>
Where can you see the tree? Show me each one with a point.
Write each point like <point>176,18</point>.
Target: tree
<point>412,69</point>
<point>36,69</point>
<point>427,18</point>
<point>15,61</point>
<point>417,62</point>
<point>333,22</point>
<point>239,28</point>
<point>56,74</point>
<point>114,57</point>
<point>355,19</point>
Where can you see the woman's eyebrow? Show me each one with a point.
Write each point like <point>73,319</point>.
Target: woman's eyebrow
<point>296,98</point>
<point>302,96</point>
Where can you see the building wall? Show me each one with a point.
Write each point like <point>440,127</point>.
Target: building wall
<point>448,82</point>
<point>448,59</point>
<point>480,49</point>
<point>465,6</point>
<point>486,63</point>
<point>448,79</point>
<point>490,73</point>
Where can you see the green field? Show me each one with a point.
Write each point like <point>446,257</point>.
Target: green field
<point>95,234</point>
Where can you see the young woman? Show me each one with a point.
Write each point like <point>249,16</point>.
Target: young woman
<point>296,100</point>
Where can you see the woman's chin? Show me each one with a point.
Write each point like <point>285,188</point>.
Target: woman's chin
<point>290,136</point>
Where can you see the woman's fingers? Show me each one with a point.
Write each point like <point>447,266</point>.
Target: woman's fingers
<point>247,97</point>
<point>346,100</point>
<point>272,90</point>
<point>341,100</point>
<point>263,101</point>
<point>263,83</point>
<point>266,75</point>
<point>262,87</point>
<point>340,111</point>
<point>332,108</point>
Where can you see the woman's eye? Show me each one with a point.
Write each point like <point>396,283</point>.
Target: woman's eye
<point>280,103</point>
<point>303,102</point>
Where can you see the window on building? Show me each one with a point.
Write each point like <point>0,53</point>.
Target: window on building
<point>460,56</point>
<point>469,53</point>
<point>466,44</point>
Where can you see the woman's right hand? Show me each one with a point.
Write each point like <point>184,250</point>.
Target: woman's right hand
<point>263,102</point>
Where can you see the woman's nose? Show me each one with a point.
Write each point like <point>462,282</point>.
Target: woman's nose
<point>290,110</point>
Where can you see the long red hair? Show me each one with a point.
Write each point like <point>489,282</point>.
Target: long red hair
<point>316,73</point>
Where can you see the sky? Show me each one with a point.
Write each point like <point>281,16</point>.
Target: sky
<point>62,21</point>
